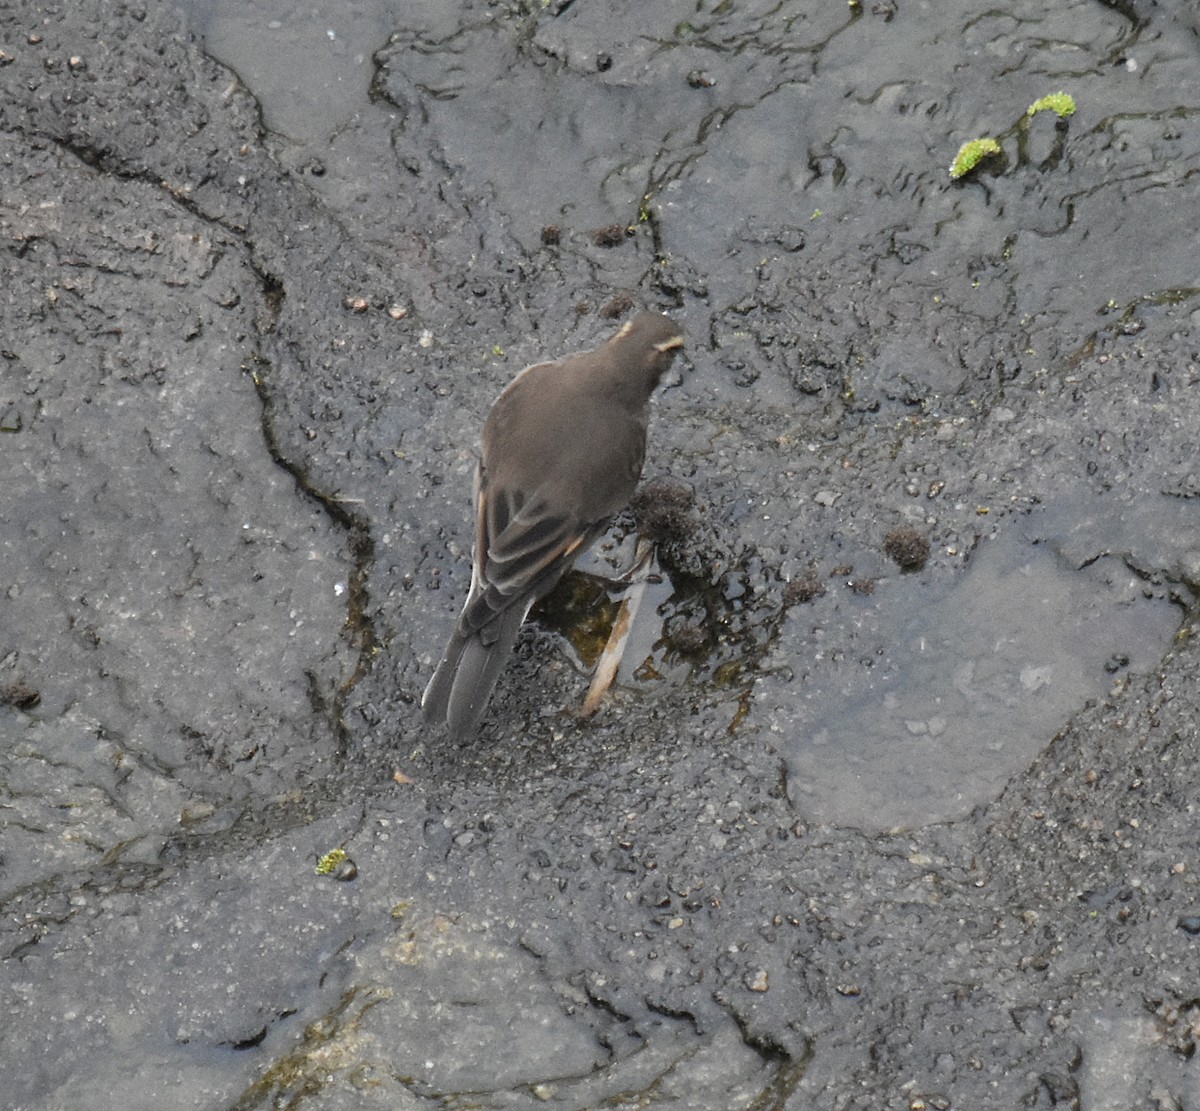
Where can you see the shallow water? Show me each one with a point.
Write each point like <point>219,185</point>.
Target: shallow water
<point>965,685</point>
<point>869,345</point>
<point>799,176</point>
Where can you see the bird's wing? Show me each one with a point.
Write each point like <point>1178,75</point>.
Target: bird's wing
<point>522,548</point>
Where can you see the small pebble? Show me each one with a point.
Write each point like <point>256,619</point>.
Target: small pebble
<point>611,235</point>
<point>804,589</point>
<point>758,981</point>
<point>616,306</point>
<point>19,694</point>
<point>907,547</point>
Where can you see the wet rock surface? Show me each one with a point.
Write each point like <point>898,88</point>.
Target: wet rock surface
<point>845,834</point>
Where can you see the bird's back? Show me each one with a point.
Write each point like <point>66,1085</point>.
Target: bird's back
<point>583,452</point>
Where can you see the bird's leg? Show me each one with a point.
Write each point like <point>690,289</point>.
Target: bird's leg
<point>639,570</point>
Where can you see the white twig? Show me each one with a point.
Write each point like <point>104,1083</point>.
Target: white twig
<point>610,658</point>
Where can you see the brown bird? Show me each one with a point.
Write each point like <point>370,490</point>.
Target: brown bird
<point>562,452</point>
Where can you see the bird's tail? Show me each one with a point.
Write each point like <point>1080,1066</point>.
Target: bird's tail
<point>463,683</point>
